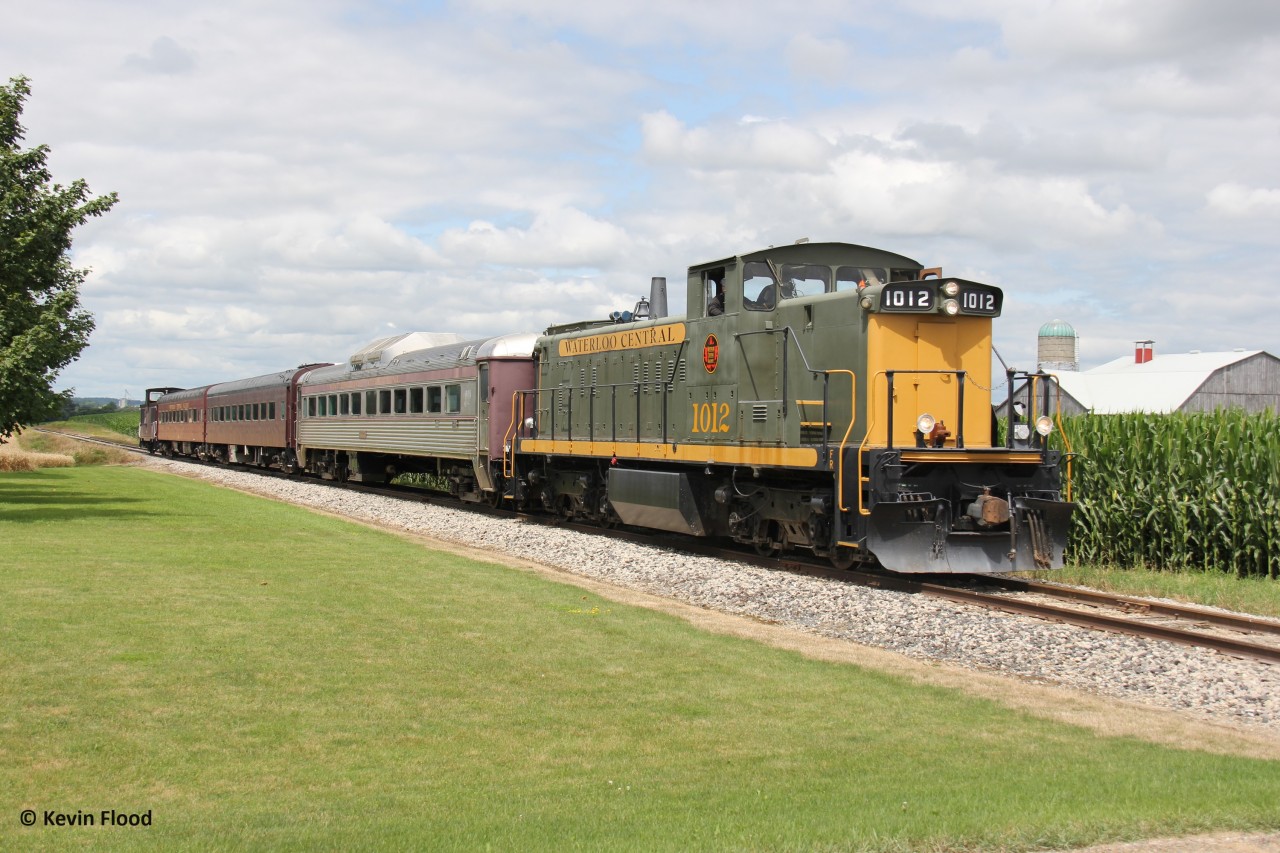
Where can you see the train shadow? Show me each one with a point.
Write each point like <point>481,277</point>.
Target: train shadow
<point>44,496</point>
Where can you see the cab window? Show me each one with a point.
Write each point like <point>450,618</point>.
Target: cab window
<point>852,278</point>
<point>760,292</point>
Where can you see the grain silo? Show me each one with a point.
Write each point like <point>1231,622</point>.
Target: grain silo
<point>1059,347</point>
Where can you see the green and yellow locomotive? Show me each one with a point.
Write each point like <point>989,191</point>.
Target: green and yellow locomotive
<point>825,397</point>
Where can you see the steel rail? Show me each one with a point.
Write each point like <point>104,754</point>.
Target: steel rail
<point>1227,645</point>
<point>1239,622</point>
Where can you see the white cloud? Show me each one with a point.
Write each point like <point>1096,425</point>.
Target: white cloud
<point>165,56</point>
<point>330,168</point>
<point>1235,200</point>
<point>752,144</point>
<point>560,237</point>
<point>829,60</point>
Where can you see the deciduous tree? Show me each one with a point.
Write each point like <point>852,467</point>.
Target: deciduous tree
<point>43,327</point>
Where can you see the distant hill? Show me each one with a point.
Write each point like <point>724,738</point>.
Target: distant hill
<point>97,405</point>
<point>102,401</point>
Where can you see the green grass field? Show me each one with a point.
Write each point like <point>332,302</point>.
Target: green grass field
<point>257,676</point>
<point>121,426</point>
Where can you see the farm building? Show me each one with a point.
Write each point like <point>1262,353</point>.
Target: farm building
<point>1184,382</point>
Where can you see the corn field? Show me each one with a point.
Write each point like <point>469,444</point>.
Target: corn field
<point>1183,491</point>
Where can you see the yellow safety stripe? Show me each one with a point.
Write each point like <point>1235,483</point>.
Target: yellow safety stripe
<point>710,454</point>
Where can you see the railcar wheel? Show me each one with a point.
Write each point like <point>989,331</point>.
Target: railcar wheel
<point>494,498</point>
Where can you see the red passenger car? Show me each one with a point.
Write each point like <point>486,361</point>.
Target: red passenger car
<point>252,421</point>
<point>180,422</point>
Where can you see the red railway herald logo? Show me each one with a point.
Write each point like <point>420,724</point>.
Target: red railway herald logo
<point>711,354</point>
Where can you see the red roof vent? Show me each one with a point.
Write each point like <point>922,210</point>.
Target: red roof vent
<point>1143,351</point>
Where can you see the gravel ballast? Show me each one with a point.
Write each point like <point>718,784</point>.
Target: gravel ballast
<point>1205,683</point>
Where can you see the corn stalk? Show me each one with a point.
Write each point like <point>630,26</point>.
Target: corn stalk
<point>1182,491</point>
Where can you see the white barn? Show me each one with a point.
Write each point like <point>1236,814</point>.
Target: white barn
<point>1185,382</point>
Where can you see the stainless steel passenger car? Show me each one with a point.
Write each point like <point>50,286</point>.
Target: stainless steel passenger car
<point>440,410</point>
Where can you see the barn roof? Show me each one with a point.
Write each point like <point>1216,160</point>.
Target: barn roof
<point>1158,386</point>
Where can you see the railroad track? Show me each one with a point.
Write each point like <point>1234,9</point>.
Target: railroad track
<point>1228,633</point>
<point>1233,634</point>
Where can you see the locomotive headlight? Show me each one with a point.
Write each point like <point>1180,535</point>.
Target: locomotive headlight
<point>951,307</point>
<point>925,423</point>
<point>866,303</point>
<point>950,288</point>
<point>1044,425</point>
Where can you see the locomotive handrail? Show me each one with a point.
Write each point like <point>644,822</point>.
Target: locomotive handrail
<point>866,436</point>
<point>1033,380</point>
<point>666,386</point>
<point>853,416</point>
<point>1011,375</point>
<point>510,434</point>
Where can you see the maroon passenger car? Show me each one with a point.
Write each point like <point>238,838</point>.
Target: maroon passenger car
<point>252,421</point>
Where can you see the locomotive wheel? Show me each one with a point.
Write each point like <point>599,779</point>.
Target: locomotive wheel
<point>768,549</point>
<point>608,518</point>
<point>842,558</point>
<point>495,497</point>
<point>771,545</point>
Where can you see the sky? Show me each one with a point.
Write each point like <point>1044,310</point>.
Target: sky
<point>297,179</point>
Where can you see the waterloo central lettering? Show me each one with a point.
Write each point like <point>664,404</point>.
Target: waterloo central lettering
<point>630,339</point>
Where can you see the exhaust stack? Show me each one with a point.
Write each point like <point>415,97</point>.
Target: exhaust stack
<point>658,297</point>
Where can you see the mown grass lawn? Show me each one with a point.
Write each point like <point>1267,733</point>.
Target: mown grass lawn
<point>261,677</point>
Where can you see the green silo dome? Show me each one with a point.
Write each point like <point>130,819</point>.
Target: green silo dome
<point>1057,329</point>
